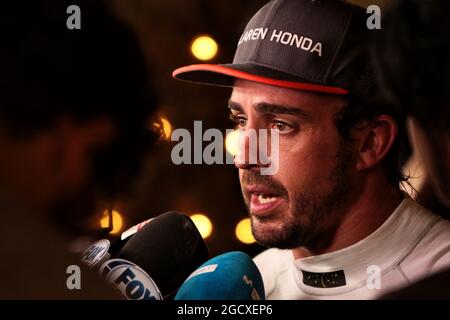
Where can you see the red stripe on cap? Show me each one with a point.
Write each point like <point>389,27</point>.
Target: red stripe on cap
<point>251,77</point>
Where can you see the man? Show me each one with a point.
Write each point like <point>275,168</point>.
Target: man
<point>414,72</point>
<point>74,108</point>
<point>333,214</point>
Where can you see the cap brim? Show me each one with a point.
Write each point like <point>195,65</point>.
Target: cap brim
<point>225,74</point>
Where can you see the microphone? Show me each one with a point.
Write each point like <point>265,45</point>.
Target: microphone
<point>125,236</point>
<point>129,280</point>
<point>168,249</point>
<point>96,253</point>
<point>100,251</point>
<point>230,276</point>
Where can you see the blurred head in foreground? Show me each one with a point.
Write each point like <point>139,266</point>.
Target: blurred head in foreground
<point>74,108</point>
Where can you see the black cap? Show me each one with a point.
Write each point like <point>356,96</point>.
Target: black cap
<point>312,45</point>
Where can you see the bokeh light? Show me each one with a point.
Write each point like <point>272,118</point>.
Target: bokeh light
<point>204,48</point>
<point>163,128</point>
<point>203,224</point>
<point>231,142</point>
<point>244,231</point>
<point>117,221</point>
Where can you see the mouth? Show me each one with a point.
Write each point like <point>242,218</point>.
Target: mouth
<point>263,202</point>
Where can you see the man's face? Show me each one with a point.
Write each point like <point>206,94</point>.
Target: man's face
<point>299,203</point>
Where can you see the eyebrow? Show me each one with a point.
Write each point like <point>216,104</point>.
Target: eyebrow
<point>274,108</point>
<point>234,106</point>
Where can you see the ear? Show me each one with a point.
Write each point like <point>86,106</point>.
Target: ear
<point>377,140</point>
<point>77,141</point>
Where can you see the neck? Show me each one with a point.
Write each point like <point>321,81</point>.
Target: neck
<point>364,213</point>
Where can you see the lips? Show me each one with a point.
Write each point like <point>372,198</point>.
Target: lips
<point>262,200</point>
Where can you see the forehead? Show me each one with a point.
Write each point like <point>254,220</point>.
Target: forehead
<point>249,93</point>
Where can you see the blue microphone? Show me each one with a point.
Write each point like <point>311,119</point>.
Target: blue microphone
<point>230,276</point>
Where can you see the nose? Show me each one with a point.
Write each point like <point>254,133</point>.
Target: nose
<point>245,143</point>
<point>251,149</point>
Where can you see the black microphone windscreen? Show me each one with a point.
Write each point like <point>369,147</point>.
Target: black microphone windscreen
<point>168,249</point>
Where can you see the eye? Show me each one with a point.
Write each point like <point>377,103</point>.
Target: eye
<point>281,126</point>
<point>240,121</point>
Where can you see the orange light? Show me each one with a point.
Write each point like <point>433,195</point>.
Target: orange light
<point>163,128</point>
<point>203,224</point>
<point>244,231</point>
<point>167,128</point>
<point>116,219</point>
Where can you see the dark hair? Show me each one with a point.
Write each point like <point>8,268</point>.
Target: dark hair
<point>49,71</point>
<point>357,112</point>
<point>412,52</point>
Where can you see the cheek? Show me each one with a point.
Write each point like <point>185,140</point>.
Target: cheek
<point>240,172</point>
<point>306,164</point>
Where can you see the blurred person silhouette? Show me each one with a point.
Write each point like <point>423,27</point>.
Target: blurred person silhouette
<point>411,53</point>
<point>74,112</point>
